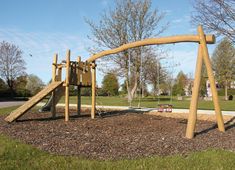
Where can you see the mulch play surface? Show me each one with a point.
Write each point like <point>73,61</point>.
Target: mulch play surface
<point>116,136</point>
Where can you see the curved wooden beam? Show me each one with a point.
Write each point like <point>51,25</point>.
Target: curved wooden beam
<point>210,39</point>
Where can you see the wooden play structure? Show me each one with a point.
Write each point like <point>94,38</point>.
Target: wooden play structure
<point>83,74</point>
<point>78,74</point>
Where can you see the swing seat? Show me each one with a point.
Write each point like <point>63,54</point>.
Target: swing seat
<point>165,108</point>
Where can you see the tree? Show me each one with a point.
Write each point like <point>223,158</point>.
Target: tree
<point>216,15</point>
<point>34,84</point>
<point>20,86</point>
<point>203,85</point>
<point>110,84</point>
<point>189,84</point>
<point>12,64</point>
<point>123,88</point>
<point>179,86</point>
<point>86,91</point>
<point>154,73</point>
<point>3,89</point>
<point>129,21</point>
<point>223,61</point>
<point>3,85</point>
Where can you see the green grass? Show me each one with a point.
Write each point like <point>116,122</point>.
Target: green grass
<point>16,155</point>
<point>7,110</point>
<point>153,102</point>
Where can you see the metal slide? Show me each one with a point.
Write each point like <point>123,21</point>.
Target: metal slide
<point>59,93</point>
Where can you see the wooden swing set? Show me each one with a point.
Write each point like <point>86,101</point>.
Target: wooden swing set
<point>83,74</point>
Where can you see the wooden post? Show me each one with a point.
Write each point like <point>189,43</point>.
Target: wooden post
<point>93,88</point>
<point>151,41</point>
<point>78,91</point>
<point>54,67</point>
<point>195,94</point>
<point>67,86</point>
<point>59,75</point>
<point>78,100</point>
<point>215,98</point>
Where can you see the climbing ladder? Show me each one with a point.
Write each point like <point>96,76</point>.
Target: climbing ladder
<point>33,101</point>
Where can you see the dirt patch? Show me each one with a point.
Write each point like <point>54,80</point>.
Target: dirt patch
<point>117,135</point>
<point>203,116</point>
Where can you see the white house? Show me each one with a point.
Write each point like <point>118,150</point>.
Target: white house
<point>208,88</point>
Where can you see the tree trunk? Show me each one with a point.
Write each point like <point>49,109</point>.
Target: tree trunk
<point>142,92</point>
<point>155,89</point>
<point>128,87</point>
<point>135,85</point>
<point>10,85</point>
<point>226,90</point>
<point>131,91</point>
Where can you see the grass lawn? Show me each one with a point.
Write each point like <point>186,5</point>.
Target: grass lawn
<point>153,102</point>
<point>16,155</point>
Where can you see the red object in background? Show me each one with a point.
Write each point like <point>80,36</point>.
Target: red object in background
<point>165,108</point>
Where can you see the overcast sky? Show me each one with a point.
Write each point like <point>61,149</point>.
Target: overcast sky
<point>45,27</point>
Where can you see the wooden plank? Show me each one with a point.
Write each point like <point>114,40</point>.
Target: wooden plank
<point>80,73</point>
<point>59,93</point>
<point>78,100</point>
<point>215,98</point>
<point>93,102</point>
<point>33,101</point>
<point>53,108</point>
<point>59,75</point>
<point>78,87</point>
<point>73,73</point>
<point>153,41</point>
<point>86,76</point>
<point>195,95</point>
<point>67,80</point>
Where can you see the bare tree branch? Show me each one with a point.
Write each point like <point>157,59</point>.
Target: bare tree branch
<point>216,15</point>
<point>12,64</point>
<point>131,20</point>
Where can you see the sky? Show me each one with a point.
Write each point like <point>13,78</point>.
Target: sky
<point>44,27</point>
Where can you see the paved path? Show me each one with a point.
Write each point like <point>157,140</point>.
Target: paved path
<point>11,103</point>
<point>17,103</point>
<point>231,113</point>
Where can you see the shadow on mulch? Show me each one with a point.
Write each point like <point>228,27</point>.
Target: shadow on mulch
<point>50,118</point>
<point>104,114</point>
<point>228,125</point>
<point>213,127</point>
<point>116,134</point>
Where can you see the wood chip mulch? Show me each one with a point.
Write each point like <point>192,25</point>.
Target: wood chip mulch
<point>116,136</point>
